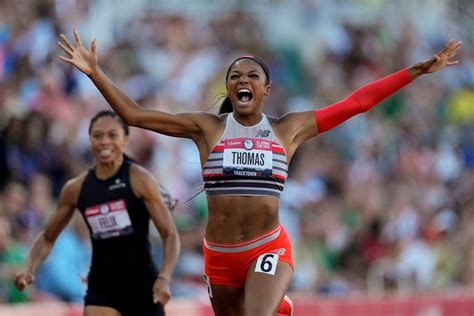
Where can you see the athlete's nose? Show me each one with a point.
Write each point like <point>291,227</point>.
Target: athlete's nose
<point>243,79</point>
<point>105,140</point>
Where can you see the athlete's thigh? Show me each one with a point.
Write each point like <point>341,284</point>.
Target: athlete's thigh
<point>227,300</point>
<point>265,286</point>
<point>92,310</point>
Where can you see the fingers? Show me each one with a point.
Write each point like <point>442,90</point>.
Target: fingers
<point>161,299</point>
<point>451,48</point>
<point>22,281</point>
<point>19,283</point>
<point>67,42</point>
<point>65,59</point>
<point>20,286</point>
<point>93,46</point>
<point>65,48</point>
<point>453,51</point>
<point>157,299</point>
<point>23,284</point>
<point>455,45</point>
<point>77,38</point>
<point>449,51</point>
<point>449,43</point>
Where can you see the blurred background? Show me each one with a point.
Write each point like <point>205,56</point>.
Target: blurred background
<point>379,209</point>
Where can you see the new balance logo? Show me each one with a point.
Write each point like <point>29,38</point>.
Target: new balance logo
<point>279,251</point>
<point>117,185</point>
<point>263,133</point>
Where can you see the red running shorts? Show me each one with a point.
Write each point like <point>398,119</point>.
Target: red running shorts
<point>228,264</point>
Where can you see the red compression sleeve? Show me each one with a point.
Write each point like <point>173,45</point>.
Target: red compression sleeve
<point>361,100</point>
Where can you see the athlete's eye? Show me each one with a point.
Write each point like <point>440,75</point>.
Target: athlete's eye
<point>234,77</point>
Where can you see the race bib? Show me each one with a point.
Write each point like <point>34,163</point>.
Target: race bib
<point>267,263</point>
<point>108,220</point>
<point>248,157</point>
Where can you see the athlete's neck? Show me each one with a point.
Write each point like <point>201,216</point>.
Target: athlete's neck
<point>104,171</point>
<point>248,120</point>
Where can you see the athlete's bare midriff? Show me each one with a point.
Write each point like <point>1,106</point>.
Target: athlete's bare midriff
<point>234,219</point>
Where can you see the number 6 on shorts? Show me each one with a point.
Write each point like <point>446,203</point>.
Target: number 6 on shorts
<point>267,263</point>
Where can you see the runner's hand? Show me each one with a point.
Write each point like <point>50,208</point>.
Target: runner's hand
<point>83,59</point>
<point>22,280</point>
<point>443,58</point>
<point>161,291</point>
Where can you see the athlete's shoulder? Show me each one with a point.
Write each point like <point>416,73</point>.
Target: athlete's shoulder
<point>201,115</point>
<point>139,174</point>
<point>76,182</point>
<point>72,188</point>
<point>138,170</point>
<point>214,118</point>
<point>142,181</point>
<point>290,117</point>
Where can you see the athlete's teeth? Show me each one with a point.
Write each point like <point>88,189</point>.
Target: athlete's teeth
<point>105,151</point>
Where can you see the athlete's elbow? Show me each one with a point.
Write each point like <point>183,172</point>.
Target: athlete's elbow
<point>132,116</point>
<point>175,242</point>
<point>135,119</point>
<point>130,120</point>
<point>171,235</point>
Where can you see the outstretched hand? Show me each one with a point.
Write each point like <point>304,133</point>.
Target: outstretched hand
<point>439,61</point>
<point>444,57</point>
<point>83,59</point>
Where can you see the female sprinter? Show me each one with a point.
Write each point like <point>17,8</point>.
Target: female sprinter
<point>244,156</point>
<point>117,198</point>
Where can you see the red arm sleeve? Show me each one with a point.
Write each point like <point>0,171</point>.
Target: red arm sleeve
<point>361,100</point>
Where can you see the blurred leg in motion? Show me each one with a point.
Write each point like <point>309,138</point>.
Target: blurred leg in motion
<point>286,307</point>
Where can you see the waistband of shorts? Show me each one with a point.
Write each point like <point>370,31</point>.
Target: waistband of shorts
<point>244,246</point>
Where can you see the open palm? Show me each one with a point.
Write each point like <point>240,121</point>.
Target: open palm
<point>443,58</point>
<point>83,59</point>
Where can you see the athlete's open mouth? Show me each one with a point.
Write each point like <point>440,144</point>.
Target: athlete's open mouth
<point>244,95</point>
<point>104,153</point>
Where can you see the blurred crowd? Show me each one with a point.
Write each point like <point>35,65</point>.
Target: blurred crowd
<point>382,203</point>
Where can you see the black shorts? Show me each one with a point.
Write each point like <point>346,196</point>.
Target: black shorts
<point>128,299</point>
<point>123,292</point>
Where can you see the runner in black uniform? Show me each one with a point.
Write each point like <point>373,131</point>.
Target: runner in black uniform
<point>117,198</point>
